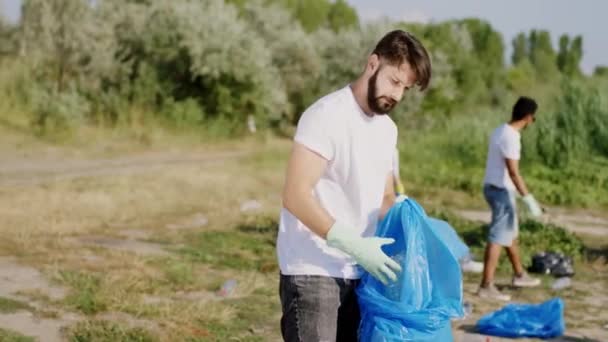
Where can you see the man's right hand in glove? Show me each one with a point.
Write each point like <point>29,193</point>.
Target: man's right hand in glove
<point>304,170</point>
<point>533,205</point>
<point>518,181</point>
<point>366,251</point>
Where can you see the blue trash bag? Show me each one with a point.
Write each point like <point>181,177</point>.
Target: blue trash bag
<point>428,293</point>
<point>545,320</point>
<point>449,236</point>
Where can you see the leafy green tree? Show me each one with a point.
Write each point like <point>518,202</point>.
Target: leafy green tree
<point>66,41</point>
<point>342,16</point>
<point>570,55</point>
<point>600,71</point>
<point>8,43</point>
<point>312,14</point>
<point>292,50</point>
<point>202,50</point>
<point>520,49</point>
<point>542,55</point>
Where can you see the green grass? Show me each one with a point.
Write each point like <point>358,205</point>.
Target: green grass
<point>8,305</point>
<point>179,274</point>
<point>84,296</point>
<point>254,315</point>
<point>11,336</point>
<point>250,246</point>
<point>572,185</point>
<point>448,157</point>
<point>534,237</point>
<point>441,173</point>
<point>104,331</point>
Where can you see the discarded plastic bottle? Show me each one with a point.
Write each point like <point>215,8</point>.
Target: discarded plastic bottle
<point>468,308</point>
<point>561,283</point>
<point>227,288</point>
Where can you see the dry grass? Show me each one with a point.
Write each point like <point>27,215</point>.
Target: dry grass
<point>41,223</point>
<point>170,296</point>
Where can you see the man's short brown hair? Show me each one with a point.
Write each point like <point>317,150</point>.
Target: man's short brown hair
<point>398,47</point>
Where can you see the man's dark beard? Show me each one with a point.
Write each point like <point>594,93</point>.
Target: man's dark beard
<point>373,102</point>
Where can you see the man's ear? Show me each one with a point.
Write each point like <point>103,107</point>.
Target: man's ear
<point>373,63</point>
<point>530,118</point>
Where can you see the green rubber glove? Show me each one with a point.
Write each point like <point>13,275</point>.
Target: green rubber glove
<point>533,206</point>
<point>366,251</point>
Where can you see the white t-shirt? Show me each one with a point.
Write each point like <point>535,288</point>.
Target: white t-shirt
<point>359,149</point>
<point>505,143</point>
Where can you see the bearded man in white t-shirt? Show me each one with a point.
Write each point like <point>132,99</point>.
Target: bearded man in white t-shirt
<point>501,183</point>
<point>338,185</point>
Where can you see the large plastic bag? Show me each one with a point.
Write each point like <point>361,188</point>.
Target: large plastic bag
<point>428,293</point>
<point>545,320</point>
<point>553,263</point>
<point>448,235</point>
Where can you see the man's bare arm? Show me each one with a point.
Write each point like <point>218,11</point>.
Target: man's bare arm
<point>518,180</point>
<point>304,170</point>
<point>389,196</point>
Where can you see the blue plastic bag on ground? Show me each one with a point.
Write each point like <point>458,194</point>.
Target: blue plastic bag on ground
<point>428,293</point>
<point>545,320</point>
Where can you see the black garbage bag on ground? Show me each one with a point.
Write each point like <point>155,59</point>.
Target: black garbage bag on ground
<point>556,264</point>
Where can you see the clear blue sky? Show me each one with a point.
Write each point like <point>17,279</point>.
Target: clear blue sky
<point>588,18</point>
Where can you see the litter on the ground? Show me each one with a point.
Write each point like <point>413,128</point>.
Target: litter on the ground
<point>561,283</point>
<point>545,320</point>
<point>227,288</point>
<point>556,264</point>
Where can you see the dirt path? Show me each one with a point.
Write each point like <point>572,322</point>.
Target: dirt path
<point>33,171</point>
<point>18,279</point>
<point>580,222</point>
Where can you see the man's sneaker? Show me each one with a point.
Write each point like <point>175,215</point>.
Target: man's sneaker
<point>471,266</point>
<point>491,292</point>
<point>525,281</point>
